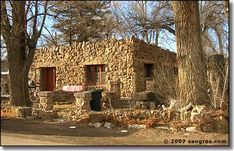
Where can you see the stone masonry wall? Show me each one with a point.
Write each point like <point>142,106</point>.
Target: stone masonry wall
<point>150,54</point>
<point>124,60</point>
<point>70,62</point>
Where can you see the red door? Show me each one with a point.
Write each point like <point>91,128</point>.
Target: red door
<point>49,78</point>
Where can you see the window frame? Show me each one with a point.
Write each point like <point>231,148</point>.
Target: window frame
<point>94,75</point>
<point>148,70</point>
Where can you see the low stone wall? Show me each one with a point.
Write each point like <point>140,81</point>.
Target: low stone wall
<point>147,99</point>
<point>83,101</point>
<point>61,96</point>
<point>46,100</point>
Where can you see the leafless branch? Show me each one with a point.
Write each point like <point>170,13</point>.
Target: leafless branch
<point>43,20</point>
<point>5,23</point>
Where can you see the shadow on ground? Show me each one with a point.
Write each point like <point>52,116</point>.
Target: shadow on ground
<point>19,126</point>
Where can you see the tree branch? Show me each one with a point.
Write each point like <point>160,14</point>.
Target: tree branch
<point>43,20</point>
<point>32,42</point>
<point>28,7</point>
<point>38,15</point>
<point>169,29</point>
<point>51,39</point>
<point>5,24</point>
<point>35,21</point>
<point>29,60</point>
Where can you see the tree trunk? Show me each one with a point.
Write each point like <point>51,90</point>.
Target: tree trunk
<point>190,56</point>
<point>16,48</point>
<point>19,93</point>
<point>20,47</point>
<point>156,39</point>
<point>226,8</point>
<point>150,36</point>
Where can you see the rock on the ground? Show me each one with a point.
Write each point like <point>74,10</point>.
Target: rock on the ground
<point>124,131</point>
<point>137,126</point>
<point>191,129</point>
<point>173,129</point>
<point>72,127</point>
<point>97,125</point>
<point>90,124</point>
<point>108,125</point>
<point>163,127</point>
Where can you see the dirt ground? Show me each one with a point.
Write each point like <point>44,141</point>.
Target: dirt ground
<point>21,132</point>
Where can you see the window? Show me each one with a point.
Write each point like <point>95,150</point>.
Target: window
<point>149,70</point>
<point>47,78</point>
<point>95,74</point>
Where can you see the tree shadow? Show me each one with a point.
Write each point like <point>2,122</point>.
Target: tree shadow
<point>19,126</point>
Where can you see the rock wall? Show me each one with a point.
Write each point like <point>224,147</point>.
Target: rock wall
<point>150,54</point>
<point>124,61</point>
<point>70,62</point>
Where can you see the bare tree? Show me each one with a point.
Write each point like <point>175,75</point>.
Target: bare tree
<point>81,20</point>
<point>21,26</point>
<point>143,19</point>
<point>214,26</point>
<point>215,42</point>
<point>50,39</point>
<point>190,56</point>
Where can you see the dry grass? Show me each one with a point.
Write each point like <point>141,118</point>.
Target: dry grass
<point>9,113</point>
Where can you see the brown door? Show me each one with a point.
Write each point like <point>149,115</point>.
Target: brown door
<point>49,78</point>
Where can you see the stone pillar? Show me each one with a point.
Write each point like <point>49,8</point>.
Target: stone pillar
<point>115,86</point>
<point>83,101</point>
<point>46,100</point>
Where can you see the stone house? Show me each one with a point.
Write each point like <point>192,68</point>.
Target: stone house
<point>128,62</point>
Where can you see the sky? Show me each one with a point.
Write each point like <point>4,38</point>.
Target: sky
<point>166,40</point>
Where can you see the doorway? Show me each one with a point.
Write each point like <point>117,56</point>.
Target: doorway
<point>48,78</point>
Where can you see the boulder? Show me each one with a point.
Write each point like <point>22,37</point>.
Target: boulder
<point>108,125</point>
<point>191,129</point>
<point>97,125</point>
